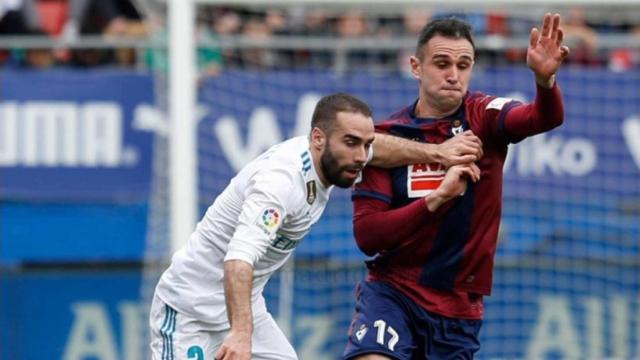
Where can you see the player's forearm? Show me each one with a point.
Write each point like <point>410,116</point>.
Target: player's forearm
<point>544,114</point>
<point>549,107</point>
<point>238,281</point>
<point>376,228</point>
<point>435,200</point>
<point>391,151</point>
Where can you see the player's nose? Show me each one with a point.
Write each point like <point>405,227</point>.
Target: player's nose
<point>452,75</point>
<point>360,156</point>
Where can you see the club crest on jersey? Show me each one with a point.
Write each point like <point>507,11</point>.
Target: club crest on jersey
<point>457,127</point>
<point>362,331</point>
<point>269,219</point>
<point>422,179</point>
<point>311,191</point>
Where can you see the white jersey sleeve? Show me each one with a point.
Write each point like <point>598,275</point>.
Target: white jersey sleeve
<point>268,200</point>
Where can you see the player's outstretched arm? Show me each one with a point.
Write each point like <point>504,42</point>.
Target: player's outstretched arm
<point>544,56</point>
<point>238,280</point>
<point>391,151</point>
<point>546,52</point>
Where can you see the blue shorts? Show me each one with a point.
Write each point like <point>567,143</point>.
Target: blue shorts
<point>388,322</point>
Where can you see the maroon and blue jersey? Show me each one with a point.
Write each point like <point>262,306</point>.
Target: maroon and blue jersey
<point>444,260</point>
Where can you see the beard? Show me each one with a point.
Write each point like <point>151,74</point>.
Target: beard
<point>334,172</point>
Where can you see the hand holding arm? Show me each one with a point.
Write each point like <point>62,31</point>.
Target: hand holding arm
<point>391,151</point>
<point>238,281</point>
<point>460,149</point>
<point>546,52</point>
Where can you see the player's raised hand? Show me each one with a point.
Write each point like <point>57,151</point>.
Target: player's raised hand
<point>546,52</point>
<point>236,346</point>
<point>461,149</point>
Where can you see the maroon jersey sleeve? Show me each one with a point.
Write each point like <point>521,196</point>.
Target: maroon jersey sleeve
<point>377,226</point>
<point>511,121</point>
<point>544,114</point>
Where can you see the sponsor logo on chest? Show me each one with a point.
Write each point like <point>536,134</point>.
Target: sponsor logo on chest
<point>422,179</point>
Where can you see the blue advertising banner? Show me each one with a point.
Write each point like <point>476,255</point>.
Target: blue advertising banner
<point>90,314</point>
<point>71,315</point>
<point>67,136</point>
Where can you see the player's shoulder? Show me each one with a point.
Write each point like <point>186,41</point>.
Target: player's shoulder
<point>401,116</point>
<point>292,155</point>
<point>285,162</point>
<point>482,101</point>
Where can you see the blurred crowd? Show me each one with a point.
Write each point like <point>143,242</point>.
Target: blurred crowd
<point>122,19</point>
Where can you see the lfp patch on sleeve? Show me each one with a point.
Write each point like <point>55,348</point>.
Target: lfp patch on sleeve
<point>269,219</point>
<point>498,103</point>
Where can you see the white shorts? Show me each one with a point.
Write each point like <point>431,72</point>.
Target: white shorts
<point>175,336</point>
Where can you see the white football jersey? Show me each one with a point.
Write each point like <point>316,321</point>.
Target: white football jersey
<point>260,217</point>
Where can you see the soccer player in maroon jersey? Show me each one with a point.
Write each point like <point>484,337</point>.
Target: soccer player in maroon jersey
<point>434,235</point>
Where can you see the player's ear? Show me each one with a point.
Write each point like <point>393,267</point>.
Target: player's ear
<point>415,66</point>
<point>318,138</point>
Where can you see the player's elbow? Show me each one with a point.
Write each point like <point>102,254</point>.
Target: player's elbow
<point>559,120</point>
<point>364,242</point>
<point>366,248</point>
<point>552,123</point>
<point>556,119</point>
<point>543,122</point>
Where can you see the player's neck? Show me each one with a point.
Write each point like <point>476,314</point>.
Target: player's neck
<point>426,110</point>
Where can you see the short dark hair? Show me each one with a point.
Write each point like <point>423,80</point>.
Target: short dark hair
<point>328,107</point>
<point>450,27</point>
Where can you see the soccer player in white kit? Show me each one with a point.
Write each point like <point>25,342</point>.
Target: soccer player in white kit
<point>208,303</point>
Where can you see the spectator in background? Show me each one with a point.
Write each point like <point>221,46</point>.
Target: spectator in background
<point>349,26</point>
<point>256,57</point>
<point>582,38</point>
<point>276,22</point>
<point>279,25</point>
<point>412,23</point>
<point>110,18</point>
<point>209,59</point>
<point>22,17</point>
<point>625,59</point>
<point>18,16</point>
<point>315,24</point>
<point>38,58</point>
<point>226,23</point>
<point>11,22</point>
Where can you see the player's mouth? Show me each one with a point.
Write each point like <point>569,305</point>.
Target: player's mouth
<point>353,172</point>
